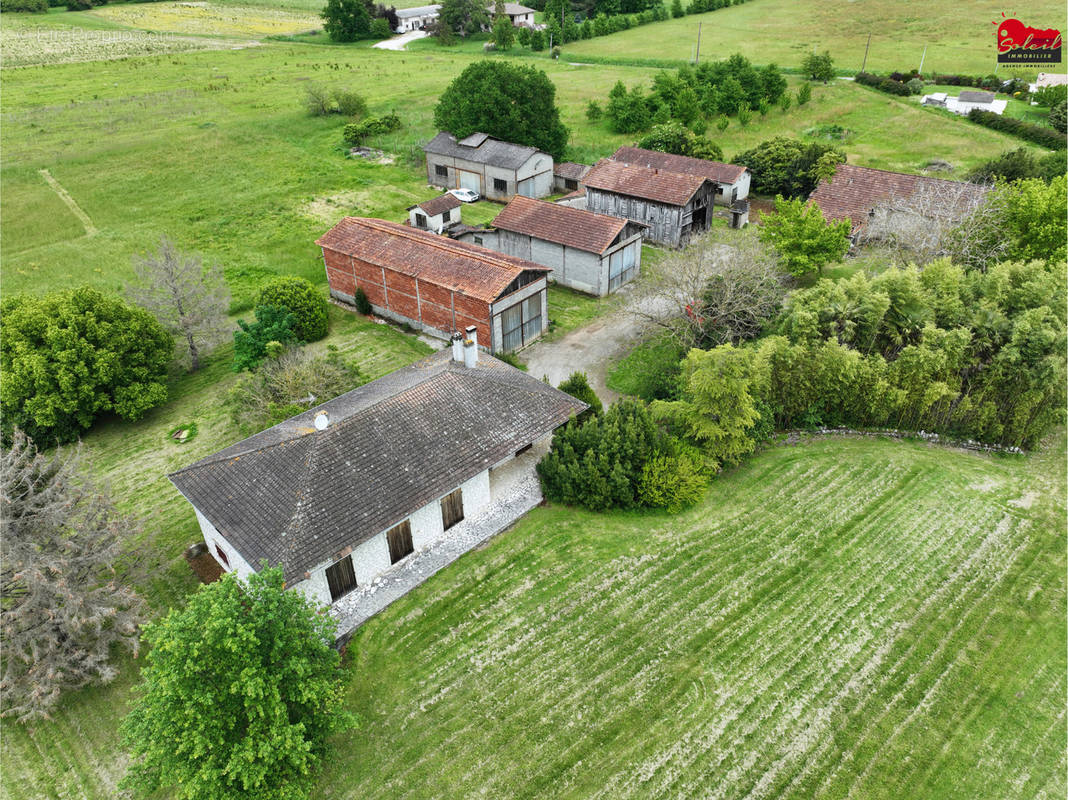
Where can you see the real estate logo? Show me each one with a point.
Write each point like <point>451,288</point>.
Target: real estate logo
<point>1022,44</point>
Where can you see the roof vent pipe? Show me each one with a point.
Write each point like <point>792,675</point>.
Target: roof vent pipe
<point>458,347</point>
<point>471,346</point>
<point>322,421</point>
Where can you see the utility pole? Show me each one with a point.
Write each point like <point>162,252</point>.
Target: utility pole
<point>922,59</point>
<point>698,58</point>
<point>862,66</point>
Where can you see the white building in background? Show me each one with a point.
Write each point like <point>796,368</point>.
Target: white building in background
<point>965,102</point>
<point>415,19</point>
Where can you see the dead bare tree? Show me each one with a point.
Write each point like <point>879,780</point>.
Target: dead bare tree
<point>712,292</point>
<point>190,301</point>
<point>62,607</point>
<point>938,219</point>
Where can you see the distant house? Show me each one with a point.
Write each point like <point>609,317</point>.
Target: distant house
<point>421,459</point>
<point>519,15</point>
<point>1049,79</point>
<point>590,252</point>
<point>672,205</point>
<point>854,193</point>
<point>731,180</point>
<point>495,169</point>
<point>414,19</point>
<point>965,102</point>
<point>436,284</point>
<point>436,214</point>
<point>568,175</point>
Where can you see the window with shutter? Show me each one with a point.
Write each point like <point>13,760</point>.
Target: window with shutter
<point>341,578</point>
<point>452,509</point>
<point>400,541</point>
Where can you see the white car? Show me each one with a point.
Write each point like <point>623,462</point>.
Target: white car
<point>465,195</point>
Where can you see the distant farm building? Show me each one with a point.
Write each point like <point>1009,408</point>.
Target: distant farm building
<point>437,214</point>
<point>731,180</point>
<point>592,253</point>
<point>966,102</point>
<point>567,176</point>
<point>415,19</point>
<point>673,206</point>
<point>436,284</point>
<point>493,168</point>
<point>521,16</point>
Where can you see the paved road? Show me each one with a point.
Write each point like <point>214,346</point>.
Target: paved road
<point>400,42</point>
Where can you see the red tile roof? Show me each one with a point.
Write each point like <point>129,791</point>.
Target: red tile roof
<point>658,185</point>
<point>436,205</point>
<point>854,191</point>
<point>461,267</point>
<point>573,227</point>
<point>715,171</point>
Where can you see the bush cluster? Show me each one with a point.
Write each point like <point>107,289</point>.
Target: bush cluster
<point>1028,131</point>
<point>304,301</point>
<point>1019,164</point>
<point>356,132</point>
<point>32,6</point>
<point>888,85</point>
<point>789,167</point>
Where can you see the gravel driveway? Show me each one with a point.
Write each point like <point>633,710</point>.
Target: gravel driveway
<point>399,42</point>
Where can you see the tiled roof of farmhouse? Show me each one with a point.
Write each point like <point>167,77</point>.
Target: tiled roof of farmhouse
<point>298,496</point>
<point>672,188</point>
<point>481,149</point>
<point>550,222</point>
<point>854,191</point>
<point>436,205</point>
<point>715,171</point>
<point>570,170</point>
<point>465,268</point>
<point>512,9</point>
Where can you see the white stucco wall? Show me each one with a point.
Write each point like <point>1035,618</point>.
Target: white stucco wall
<point>213,538</point>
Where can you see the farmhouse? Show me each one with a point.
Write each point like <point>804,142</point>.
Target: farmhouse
<point>414,19</point>
<point>568,175</point>
<point>965,102</point>
<point>494,169</point>
<point>436,284</point>
<point>590,252</point>
<point>854,193</point>
<point>731,180</point>
<point>340,494</point>
<point>436,214</point>
<point>519,15</point>
<point>674,206</point>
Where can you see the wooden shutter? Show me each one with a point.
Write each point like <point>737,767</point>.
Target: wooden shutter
<point>400,541</point>
<point>341,578</point>
<point>452,508</point>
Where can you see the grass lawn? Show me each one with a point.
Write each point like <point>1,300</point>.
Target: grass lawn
<point>958,37</point>
<point>844,618</point>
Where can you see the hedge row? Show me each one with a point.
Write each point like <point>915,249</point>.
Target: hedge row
<point>1037,134</point>
<point>888,85</point>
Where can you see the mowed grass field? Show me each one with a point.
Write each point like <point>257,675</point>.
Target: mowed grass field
<point>842,618</point>
<point>959,37</point>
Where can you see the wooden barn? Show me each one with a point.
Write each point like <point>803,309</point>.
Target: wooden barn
<point>732,181</point>
<point>436,284</point>
<point>673,206</point>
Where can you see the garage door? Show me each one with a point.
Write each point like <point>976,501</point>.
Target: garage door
<point>470,180</point>
<point>526,188</point>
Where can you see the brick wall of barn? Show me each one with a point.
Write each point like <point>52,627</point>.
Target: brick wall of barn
<point>434,309</point>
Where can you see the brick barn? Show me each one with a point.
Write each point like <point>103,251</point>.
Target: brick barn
<point>436,284</point>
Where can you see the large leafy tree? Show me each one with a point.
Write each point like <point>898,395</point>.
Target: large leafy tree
<point>63,608</point>
<point>189,301</point>
<point>503,30</point>
<point>789,167</point>
<point>241,688</point>
<point>508,101</point>
<point>818,66</point>
<point>68,357</point>
<point>804,240</point>
<point>346,20</point>
<point>463,16</point>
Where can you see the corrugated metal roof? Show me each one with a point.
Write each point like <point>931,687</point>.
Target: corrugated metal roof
<point>490,151</point>
<point>296,496</point>
<point>550,222</point>
<point>645,183</point>
<point>458,266</point>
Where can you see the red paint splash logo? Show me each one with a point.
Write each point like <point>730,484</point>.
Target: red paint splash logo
<point>1022,43</point>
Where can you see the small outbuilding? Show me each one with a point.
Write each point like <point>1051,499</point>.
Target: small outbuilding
<point>731,180</point>
<point>419,465</point>
<point>673,206</point>
<point>567,176</point>
<point>416,19</point>
<point>437,214</point>
<point>521,16</point>
<point>592,253</point>
<point>436,284</point>
<point>493,168</point>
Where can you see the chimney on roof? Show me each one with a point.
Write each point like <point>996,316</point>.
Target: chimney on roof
<point>457,347</point>
<point>470,346</point>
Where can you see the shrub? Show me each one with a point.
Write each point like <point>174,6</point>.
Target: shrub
<point>359,299</point>
<point>578,386</point>
<point>804,94</point>
<point>356,132</point>
<point>594,111</point>
<point>1051,96</point>
<point>1019,164</point>
<point>68,357</point>
<point>671,482</point>
<point>628,111</point>
<point>915,86</point>
<point>522,35</point>
<point>1058,117</point>
<point>537,41</point>
<point>380,28</point>
<point>818,66</point>
<point>32,6</point>
<point>273,324</point>
<point>1038,134</point>
<point>304,301</point>
<point>745,115</point>
<point>321,101</point>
